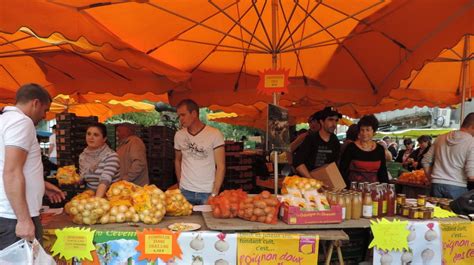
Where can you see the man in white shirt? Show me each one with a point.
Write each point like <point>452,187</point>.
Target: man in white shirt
<point>21,172</point>
<point>53,157</point>
<point>200,155</point>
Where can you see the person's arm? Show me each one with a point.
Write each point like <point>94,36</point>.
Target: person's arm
<point>427,162</point>
<point>219,156</point>
<point>469,166</point>
<point>303,171</point>
<point>137,155</point>
<point>111,169</point>
<point>346,159</point>
<point>14,184</point>
<point>300,157</point>
<point>54,194</point>
<point>383,173</point>
<point>178,157</point>
<point>52,146</point>
<point>297,142</point>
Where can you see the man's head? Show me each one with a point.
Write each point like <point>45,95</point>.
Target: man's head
<point>125,130</point>
<point>468,123</point>
<point>387,140</point>
<point>328,118</point>
<point>34,101</point>
<point>188,112</point>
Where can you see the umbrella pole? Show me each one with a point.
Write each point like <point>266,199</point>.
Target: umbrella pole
<point>464,71</point>
<point>275,95</point>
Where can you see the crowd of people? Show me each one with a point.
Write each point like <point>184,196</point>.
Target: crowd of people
<point>448,162</point>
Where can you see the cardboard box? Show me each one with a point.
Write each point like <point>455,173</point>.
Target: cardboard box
<point>331,177</point>
<point>293,215</point>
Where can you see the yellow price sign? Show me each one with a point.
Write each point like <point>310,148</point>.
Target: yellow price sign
<point>389,235</point>
<point>74,242</point>
<point>273,81</point>
<point>158,244</point>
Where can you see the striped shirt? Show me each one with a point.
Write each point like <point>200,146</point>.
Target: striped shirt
<point>107,172</point>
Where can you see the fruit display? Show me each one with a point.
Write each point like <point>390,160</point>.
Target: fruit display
<point>227,203</point>
<point>176,204</point>
<point>297,185</point>
<point>262,208</point>
<point>149,203</point>
<point>121,190</point>
<point>67,175</point>
<point>415,177</point>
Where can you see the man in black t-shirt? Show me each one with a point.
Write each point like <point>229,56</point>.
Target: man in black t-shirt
<point>321,148</point>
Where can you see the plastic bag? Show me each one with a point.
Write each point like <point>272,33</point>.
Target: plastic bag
<point>23,252</point>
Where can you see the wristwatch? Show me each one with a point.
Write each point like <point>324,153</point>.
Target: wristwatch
<point>213,195</point>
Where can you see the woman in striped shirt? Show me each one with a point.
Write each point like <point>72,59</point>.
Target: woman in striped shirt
<point>99,165</point>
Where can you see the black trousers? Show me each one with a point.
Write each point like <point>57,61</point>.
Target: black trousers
<point>8,235</point>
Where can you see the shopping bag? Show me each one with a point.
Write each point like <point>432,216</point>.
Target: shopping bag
<point>23,252</point>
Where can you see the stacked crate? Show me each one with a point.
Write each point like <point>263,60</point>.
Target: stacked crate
<point>240,171</point>
<point>71,137</point>
<point>159,141</point>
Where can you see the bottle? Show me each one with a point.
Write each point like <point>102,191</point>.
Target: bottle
<point>354,185</point>
<point>356,205</point>
<point>375,200</point>
<point>348,203</point>
<point>340,201</point>
<point>384,190</point>
<point>391,200</point>
<point>360,186</point>
<point>381,199</point>
<point>367,205</point>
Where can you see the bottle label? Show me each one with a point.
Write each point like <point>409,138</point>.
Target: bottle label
<point>343,212</point>
<point>367,211</point>
<point>375,208</point>
<point>384,207</point>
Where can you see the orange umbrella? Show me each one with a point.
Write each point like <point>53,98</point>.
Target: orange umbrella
<point>222,43</point>
<point>102,109</point>
<point>62,69</point>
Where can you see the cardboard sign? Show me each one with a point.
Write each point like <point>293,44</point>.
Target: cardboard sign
<point>158,243</point>
<point>277,249</point>
<point>74,242</point>
<point>273,81</point>
<point>331,177</point>
<point>458,243</point>
<point>389,235</point>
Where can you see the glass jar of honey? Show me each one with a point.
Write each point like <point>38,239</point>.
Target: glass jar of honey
<point>421,200</point>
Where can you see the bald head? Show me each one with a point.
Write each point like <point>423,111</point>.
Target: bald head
<point>125,130</point>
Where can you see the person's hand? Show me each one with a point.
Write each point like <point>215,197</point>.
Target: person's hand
<point>54,194</point>
<point>25,229</point>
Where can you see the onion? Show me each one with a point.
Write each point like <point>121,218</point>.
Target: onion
<point>86,213</point>
<point>86,220</point>
<point>122,208</point>
<point>104,219</point>
<point>88,206</point>
<point>120,218</point>
<point>114,211</point>
<point>128,215</point>
<point>105,207</point>
<point>73,210</point>
<point>136,218</point>
<point>112,219</point>
<point>116,191</point>
<point>83,201</point>
<point>147,220</point>
<point>80,207</point>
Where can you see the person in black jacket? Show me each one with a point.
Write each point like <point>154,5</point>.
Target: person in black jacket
<point>319,148</point>
<point>404,154</point>
<point>424,144</point>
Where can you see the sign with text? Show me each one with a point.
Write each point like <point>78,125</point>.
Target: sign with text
<point>458,243</point>
<point>74,242</point>
<point>273,81</point>
<point>158,243</point>
<point>277,249</point>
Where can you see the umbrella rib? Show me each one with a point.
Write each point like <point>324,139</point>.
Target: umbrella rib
<point>259,16</point>
<point>220,41</point>
<point>31,48</point>
<point>7,42</point>
<point>190,28</point>
<point>203,25</point>
<point>10,74</point>
<point>296,52</point>
<point>298,26</point>
<point>268,48</point>
<point>329,26</point>
<point>287,25</point>
<point>239,49</point>
<point>99,65</point>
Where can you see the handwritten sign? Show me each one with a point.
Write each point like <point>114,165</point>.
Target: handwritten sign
<point>442,213</point>
<point>389,235</point>
<point>273,81</point>
<point>158,243</point>
<point>277,249</point>
<point>74,242</point>
<point>458,243</point>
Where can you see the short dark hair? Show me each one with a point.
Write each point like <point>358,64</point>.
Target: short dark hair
<point>352,132</point>
<point>424,138</point>
<point>468,121</point>
<point>369,120</point>
<point>32,91</point>
<point>190,104</point>
<point>407,141</point>
<point>386,138</point>
<point>102,128</point>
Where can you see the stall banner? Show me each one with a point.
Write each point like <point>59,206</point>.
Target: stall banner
<point>424,246</point>
<point>73,242</point>
<point>277,249</point>
<point>458,243</point>
<point>207,248</point>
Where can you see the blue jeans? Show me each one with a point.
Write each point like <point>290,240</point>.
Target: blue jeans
<point>447,191</point>
<point>195,198</point>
